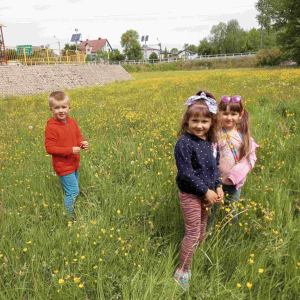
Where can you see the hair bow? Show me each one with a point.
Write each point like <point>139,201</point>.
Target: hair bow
<point>210,102</point>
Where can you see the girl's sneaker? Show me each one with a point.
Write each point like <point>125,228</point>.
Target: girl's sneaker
<point>182,278</point>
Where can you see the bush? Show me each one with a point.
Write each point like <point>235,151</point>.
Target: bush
<point>267,57</point>
<point>153,55</point>
<point>204,64</point>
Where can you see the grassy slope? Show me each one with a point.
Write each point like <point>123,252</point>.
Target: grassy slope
<point>125,244</point>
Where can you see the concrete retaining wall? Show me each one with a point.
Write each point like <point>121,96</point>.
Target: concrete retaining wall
<point>22,80</point>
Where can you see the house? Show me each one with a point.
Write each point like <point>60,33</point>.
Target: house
<point>162,54</point>
<point>149,51</point>
<point>188,54</point>
<point>92,46</point>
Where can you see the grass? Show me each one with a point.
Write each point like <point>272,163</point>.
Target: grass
<point>224,63</point>
<point>126,240</point>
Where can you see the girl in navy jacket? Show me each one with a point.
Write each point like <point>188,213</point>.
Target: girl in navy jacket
<point>198,178</point>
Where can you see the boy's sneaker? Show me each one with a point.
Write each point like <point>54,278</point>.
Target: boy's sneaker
<point>182,278</point>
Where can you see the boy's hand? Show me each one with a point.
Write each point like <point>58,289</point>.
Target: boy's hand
<point>220,195</point>
<point>84,145</point>
<point>211,197</point>
<point>76,150</point>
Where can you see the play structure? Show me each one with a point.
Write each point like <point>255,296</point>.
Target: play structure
<point>3,58</point>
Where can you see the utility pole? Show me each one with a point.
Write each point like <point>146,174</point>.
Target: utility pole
<point>58,44</point>
<point>76,39</point>
<point>159,44</point>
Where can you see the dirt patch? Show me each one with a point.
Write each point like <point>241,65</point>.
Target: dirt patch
<point>22,80</point>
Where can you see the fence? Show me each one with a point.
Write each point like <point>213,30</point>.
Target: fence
<point>31,56</point>
<point>172,59</point>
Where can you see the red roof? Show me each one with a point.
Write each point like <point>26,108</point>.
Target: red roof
<point>95,44</point>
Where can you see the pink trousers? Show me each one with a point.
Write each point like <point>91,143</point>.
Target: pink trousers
<point>195,214</point>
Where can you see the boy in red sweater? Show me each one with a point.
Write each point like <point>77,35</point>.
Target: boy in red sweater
<point>64,141</point>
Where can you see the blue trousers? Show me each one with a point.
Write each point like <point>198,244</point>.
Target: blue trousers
<point>70,184</point>
<point>231,195</point>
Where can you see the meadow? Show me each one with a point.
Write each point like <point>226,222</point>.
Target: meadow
<point>125,243</point>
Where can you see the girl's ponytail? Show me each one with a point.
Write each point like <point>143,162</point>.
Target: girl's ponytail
<point>244,127</point>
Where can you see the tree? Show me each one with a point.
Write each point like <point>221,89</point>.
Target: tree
<point>101,55</point>
<point>117,57</point>
<point>153,55</point>
<point>166,53</point>
<point>218,34</point>
<point>131,45</point>
<point>251,40</point>
<point>174,50</point>
<point>88,58</point>
<point>204,47</point>
<point>234,37</point>
<point>192,48</point>
<point>264,17</point>
<point>284,16</point>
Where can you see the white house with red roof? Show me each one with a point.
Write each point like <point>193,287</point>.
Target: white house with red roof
<point>92,46</point>
<point>149,51</point>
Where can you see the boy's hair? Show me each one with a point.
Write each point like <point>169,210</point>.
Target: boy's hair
<point>199,108</point>
<point>58,96</point>
<point>243,127</point>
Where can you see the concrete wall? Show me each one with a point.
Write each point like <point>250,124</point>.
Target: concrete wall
<point>22,80</point>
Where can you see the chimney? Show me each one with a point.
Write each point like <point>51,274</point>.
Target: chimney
<point>99,38</point>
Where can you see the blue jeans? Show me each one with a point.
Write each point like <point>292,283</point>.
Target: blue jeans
<point>231,195</point>
<point>70,184</point>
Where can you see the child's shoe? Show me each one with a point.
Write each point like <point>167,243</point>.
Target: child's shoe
<point>182,278</point>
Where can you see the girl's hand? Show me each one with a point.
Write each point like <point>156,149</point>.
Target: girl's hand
<point>84,145</point>
<point>211,197</point>
<point>220,195</point>
<point>76,150</point>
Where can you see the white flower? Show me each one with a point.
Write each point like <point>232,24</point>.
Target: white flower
<point>132,162</point>
<point>30,127</point>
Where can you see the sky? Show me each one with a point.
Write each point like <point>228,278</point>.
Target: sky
<point>36,22</point>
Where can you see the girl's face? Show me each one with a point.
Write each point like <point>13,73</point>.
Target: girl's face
<point>229,118</point>
<point>199,126</point>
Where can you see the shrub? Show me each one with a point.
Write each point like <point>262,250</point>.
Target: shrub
<point>153,55</point>
<point>268,57</point>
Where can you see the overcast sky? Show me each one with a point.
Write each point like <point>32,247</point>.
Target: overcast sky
<point>31,22</point>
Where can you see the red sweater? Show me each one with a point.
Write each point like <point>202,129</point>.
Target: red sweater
<point>60,138</point>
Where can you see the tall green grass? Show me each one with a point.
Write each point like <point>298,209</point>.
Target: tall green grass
<point>126,241</point>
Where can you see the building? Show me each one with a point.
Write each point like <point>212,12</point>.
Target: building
<point>92,46</point>
<point>188,54</point>
<point>149,51</point>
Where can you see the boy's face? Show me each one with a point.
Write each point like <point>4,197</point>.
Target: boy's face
<point>60,109</point>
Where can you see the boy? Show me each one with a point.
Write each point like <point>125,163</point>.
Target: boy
<point>64,141</point>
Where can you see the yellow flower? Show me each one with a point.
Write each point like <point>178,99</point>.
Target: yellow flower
<point>61,281</point>
<point>95,267</point>
<point>251,255</point>
<point>251,261</point>
<point>238,285</point>
<point>118,212</point>
<point>260,271</point>
<point>55,271</point>
<point>82,257</point>
<point>80,285</point>
<point>76,279</point>
<point>249,285</point>
<point>25,249</point>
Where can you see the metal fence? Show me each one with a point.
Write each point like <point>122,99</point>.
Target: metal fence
<point>172,59</point>
<point>31,56</point>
